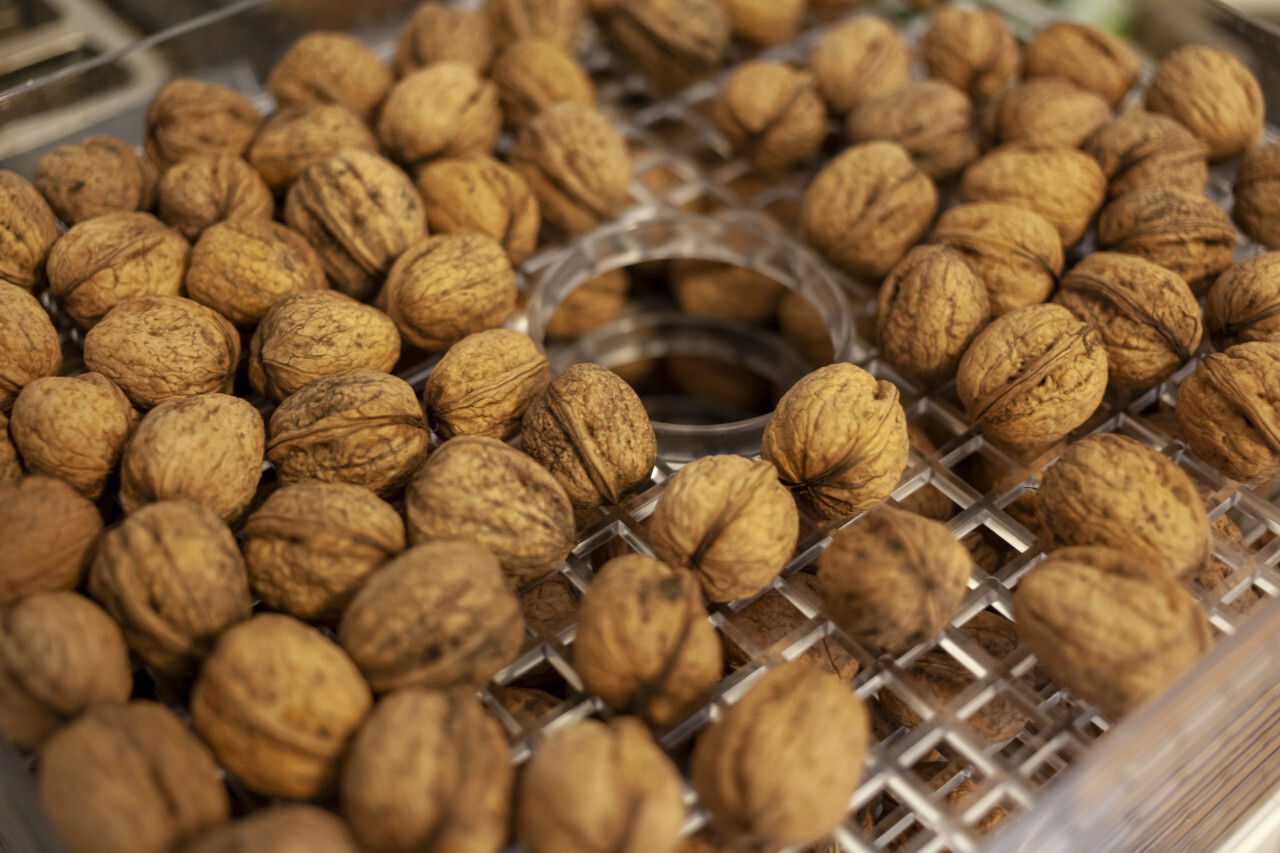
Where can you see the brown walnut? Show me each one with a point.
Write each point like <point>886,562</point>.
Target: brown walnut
<point>484,384</point>
<point>533,74</point>
<point>479,195</point>
<point>1139,150</point>
<point>726,291</point>
<point>214,188</point>
<point>805,328</point>
<point>1255,208</point>
<point>290,828</point>
<point>551,606</point>
<point>1213,95</point>
<point>1244,303</point>
<point>972,49</point>
<point>29,345</point>
<point>330,68</point>
<point>28,229</point>
<point>1229,410</point>
<point>1181,231</point>
<point>673,42</point>
<point>10,466</point>
<point>592,304</point>
<point>930,119</point>
<point>557,21</point>
<point>190,117</point>
<point>1048,111</point>
<point>1063,185</point>
<point>297,137</point>
<point>860,59</point>
<point>443,110</point>
<point>438,32</point>
<point>50,532</point>
<point>772,113</point>
<point>243,268</point>
<point>765,22</point>
<point>772,618</point>
<point>100,175</point>
<point>1084,56</point>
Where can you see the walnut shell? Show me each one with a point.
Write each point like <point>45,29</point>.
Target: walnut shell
<point>10,467</point>
<point>28,229</point>
<point>202,191</point>
<point>849,459</point>
<point>359,212</point>
<point>205,449</point>
<point>439,615</point>
<point>190,117</point>
<point>1112,491</point>
<point>278,702</point>
<point>297,137</point>
<point>1087,57</point>
<point>1063,185</point>
<point>533,74</point>
<point>1112,628</point>
<point>103,261</point>
<point>1033,376</point>
<point>1213,94</point>
<point>29,346</point>
<point>772,113</point>
<point>60,654</point>
<point>74,428</point>
<point>781,764</point>
<point>173,578</point>
<point>479,195</point>
<point>130,779</point>
<point>972,49</point>
<point>1146,315</point>
<point>311,545</point>
<point>363,428</point>
<point>592,304</point>
<point>290,828</point>
<point>316,334</point>
<point>577,165</point>
<point>1181,231</point>
<point>484,384</point>
<point>772,618</point>
<point>590,430</point>
<point>438,32</point>
<point>100,175</point>
<point>1139,150</point>
<point>643,642</point>
<point>551,606</point>
<point>1244,303</point>
<point>443,110</point>
<point>1254,207</point>
<point>50,533</point>
<point>1048,111</point>
<point>600,786</point>
<point>673,42</point>
<point>430,770</point>
<point>765,22</point>
<point>1229,410</point>
<point>930,119</point>
<point>726,291</point>
<point>244,267</point>
<point>860,59</point>
<point>330,68</point>
<point>557,21</point>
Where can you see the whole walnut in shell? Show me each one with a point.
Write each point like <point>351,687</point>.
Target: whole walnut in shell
<point>205,449</point>
<point>772,113</point>
<point>244,267</point>
<point>130,779</point>
<point>1146,315</point>
<point>765,22</point>
<point>1213,94</point>
<point>600,786</point>
<point>643,642</point>
<point>1244,303</point>
<point>363,428</point>
<point>202,191</point>
<point>484,384</point>
<point>556,21</point>
<point>867,207</point>
<point>592,304</point>
<point>1112,491</point>
<point>29,346</point>
<point>311,545</point>
<point>291,828</point>
<point>315,334</point>
<point>772,619</point>
<point>1255,208</point>
<point>728,520</point>
<point>780,766</point>
<point>278,702</point>
<point>479,195</point>
<point>10,466</point>
<point>73,427</point>
<point>173,578</point>
<point>1229,410</point>
<point>1087,57</point>
<point>590,430</point>
<point>1112,628</point>
<point>860,59</point>
<point>850,458</point>
<point>1139,150</point>
<point>551,606</point>
<point>1033,376</point>
<point>439,32</point>
<point>1181,231</point>
<point>100,175</point>
<point>674,42</point>
<point>191,117</point>
<point>1048,111</point>
<point>930,119</point>
<point>443,110</point>
<point>429,771</point>
<point>359,212</point>
<point>297,137</point>
<point>972,49</point>
<point>532,74</point>
<point>28,229</point>
<point>330,68</point>
<point>714,289</point>
<point>60,654</point>
<point>159,348</point>
<point>50,532</point>
<point>103,261</point>
<point>439,615</point>
<point>1063,185</point>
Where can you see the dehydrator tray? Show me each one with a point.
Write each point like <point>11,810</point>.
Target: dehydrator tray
<point>1195,770</point>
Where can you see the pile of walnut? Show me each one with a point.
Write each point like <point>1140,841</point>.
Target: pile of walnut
<point>291,257</point>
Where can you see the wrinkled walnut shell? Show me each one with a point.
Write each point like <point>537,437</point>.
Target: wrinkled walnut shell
<point>860,59</point>
<point>674,42</point>
<point>443,110</point>
<point>772,113</point>
<point>1063,185</point>
<point>1181,231</point>
<point>484,384</point>
<point>1048,111</point>
<point>190,117</point>
<point>479,195</point>
<point>205,190</point>
<point>1255,208</point>
<point>1141,149</point>
<point>557,21</point>
<point>330,68</point>
<point>242,268</point>
<point>533,74</point>
<point>1210,92</point>
<point>772,618</point>
<point>300,136</point>
<point>930,119</point>
<point>1244,303</point>
<point>10,466</point>
<point>1229,410</point>
<point>101,175</point>
<point>28,229</point>
<point>1087,57</point>
<point>972,49</point>
<point>29,345</point>
<point>438,32</point>
<point>50,532</point>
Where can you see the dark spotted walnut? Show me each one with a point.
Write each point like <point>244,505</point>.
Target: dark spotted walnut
<point>100,175</point>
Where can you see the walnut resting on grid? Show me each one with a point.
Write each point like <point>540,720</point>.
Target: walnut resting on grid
<point>1213,94</point>
<point>28,229</point>
<point>479,195</point>
<point>930,119</point>
<point>330,68</point>
<point>780,766</point>
<point>190,117</point>
<point>443,110</point>
<point>861,59</point>
<point>1142,149</point>
<point>674,42</point>
<point>1112,628</point>
<point>532,74</point>
<point>29,345</point>
<point>1257,186</point>
<point>202,191</point>
<point>290,828</point>
<point>1087,57</point>
<point>438,32</point>
<point>484,384</point>
<point>1047,111</point>
<point>297,137</point>
<point>1062,184</point>
<point>1229,410</point>
<point>50,532</point>
<point>971,49</point>
<point>773,617</point>
<point>100,175</point>
<point>1244,303</point>
<point>772,113</point>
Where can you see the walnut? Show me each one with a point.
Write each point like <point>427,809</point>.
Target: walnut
<point>443,110</point>
<point>130,779</point>
<point>1146,315</point>
<point>10,466</point>
<point>479,195</point>
<point>60,655</point>
<point>439,615</point>
<point>1014,251</point>
<point>311,545</point>
<point>484,384</point>
<point>298,137</point>
<point>363,428</point>
<point>592,304</point>
<point>726,291</point>
<point>600,786</point>
<point>199,192</point>
<point>278,703</point>
<point>971,49</point>
<point>557,21</point>
<point>772,113</point>
<point>1140,150</point>
<point>576,164</point>
<point>330,68</point>
<point>190,117</point>
<point>1048,111</point>
<point>1255,209</point>
<point>673,42</point>
<point>103,261</point>
<point>29,346</point>
<point>781,764</point>
<point>929,310</point>
<point>429,771</point>
<point>244,267</point>
<point>74,428</point>
<point>50,533</point>
<point>643,642</point>
<point>438,32</point>
<point>1229,410</point>
<point>290,828</point>
<point>1216,97</point>
<point>205,449</point>
<point>28,229</point>
<point>1244,303</point>
<point>1112,628</point>
<point>590,430</point>
<point>551,606</point>
<point>867,207</point>
<point>315,334</point>
<point>930,119</point>
<point>1033,376</point>
<point>1181,231</point>
<point>533,74</point>
<point>1084,56</point>
<point>805,328</point>
<point>100,175</point>
<point>765,22</point>
<point>1063,185</point>
<point>860,59</point>
<point>772,618</point>
<point>1112,491</point>
<point>851,458</point>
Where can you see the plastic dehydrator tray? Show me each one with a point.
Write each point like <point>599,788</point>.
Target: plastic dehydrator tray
<point>1191,771</point>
